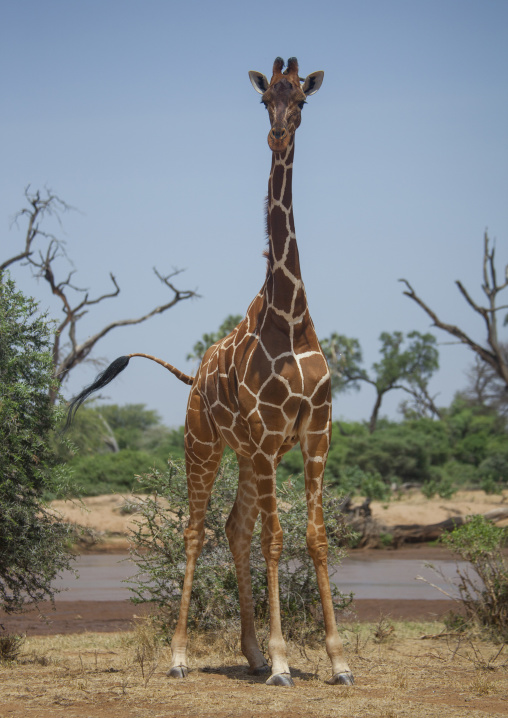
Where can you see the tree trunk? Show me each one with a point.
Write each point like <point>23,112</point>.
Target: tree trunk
<point>375,412</point>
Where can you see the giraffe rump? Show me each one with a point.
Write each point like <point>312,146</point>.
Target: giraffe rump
<point>102,380</point>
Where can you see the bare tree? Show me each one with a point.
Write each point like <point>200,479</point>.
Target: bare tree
<point>493,353</point>
<point>68,351</point>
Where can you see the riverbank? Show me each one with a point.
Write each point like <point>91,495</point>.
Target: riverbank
<point>70,617</point>
<point>106,521</point>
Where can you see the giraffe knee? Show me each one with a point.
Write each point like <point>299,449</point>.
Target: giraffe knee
<point>193,541</point>
<point>272,551</point>
<point>318,551</point>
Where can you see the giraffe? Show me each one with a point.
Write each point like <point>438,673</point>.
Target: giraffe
<point>261,390</point>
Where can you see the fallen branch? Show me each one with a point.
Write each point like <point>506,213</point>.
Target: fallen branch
<point>371,531</point>
<point>416,533</point>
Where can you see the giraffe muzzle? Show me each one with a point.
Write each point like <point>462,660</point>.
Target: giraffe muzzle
<point>278,139</point>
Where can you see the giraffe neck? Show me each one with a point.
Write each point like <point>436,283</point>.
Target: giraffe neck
<point>284,290</point>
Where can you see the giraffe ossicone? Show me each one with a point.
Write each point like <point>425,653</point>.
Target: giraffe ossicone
<point>261,390</point>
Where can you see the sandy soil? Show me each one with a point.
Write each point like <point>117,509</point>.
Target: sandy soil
<point>104,516</point>
<point>415,508</point>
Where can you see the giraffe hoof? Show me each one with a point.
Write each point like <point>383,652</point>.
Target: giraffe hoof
<point>280,679</point>
<point>260,670</point>
<point>177,672</point>
<point>341,679</point>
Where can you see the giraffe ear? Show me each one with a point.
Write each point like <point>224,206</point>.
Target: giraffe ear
<point>313,82</point>
<point>259,81</point>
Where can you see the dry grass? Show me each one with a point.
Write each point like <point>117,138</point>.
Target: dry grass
<point>123,674</point>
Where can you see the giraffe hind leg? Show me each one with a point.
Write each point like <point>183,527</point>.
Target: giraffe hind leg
<point>239,528</point>
<point>203,457</point>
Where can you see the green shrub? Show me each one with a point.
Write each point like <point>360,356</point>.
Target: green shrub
<point>440,483</point>
<point>460,475</point>
<point>435,434</point>
<point>291,467</point>
<point>485,600</point>
<point>355,482</point>
<point>394,457</point>
<point>33,542</point>
<point>475,430</point>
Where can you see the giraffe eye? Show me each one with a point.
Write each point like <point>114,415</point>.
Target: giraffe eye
<point>301,104</point>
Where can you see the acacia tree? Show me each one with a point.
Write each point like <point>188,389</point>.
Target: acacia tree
<point>206,341</point>
<point>33,543</point>
<point>408,368</point>
<point>492,352</point>
<point>40,252</point>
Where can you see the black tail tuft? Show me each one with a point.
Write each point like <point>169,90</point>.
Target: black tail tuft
<point>100,382</point>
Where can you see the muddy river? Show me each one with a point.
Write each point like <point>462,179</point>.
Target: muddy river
<point>102,578</point>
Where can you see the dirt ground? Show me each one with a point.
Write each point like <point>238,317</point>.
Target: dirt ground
<point>118,675</point>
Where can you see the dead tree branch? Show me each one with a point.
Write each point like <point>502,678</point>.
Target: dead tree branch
<point>68,351</point>
<point>39,207</point>
<point>493,353</point>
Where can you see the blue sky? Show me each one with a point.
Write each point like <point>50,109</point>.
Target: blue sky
<point>141,114</point>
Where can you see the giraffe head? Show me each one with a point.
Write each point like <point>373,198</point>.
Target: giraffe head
<point>284,97</point>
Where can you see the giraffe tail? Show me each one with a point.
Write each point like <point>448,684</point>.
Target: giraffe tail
<point>110,373</point>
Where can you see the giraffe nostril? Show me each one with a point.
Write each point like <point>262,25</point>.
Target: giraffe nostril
<point>278,134</point>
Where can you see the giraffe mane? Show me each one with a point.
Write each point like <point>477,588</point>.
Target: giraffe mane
<point>267,253</point>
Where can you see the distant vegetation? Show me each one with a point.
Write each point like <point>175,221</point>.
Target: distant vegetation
<point>467,448</point>
<point>108,446</point>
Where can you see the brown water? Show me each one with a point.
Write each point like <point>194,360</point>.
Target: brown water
<point>101,578</point>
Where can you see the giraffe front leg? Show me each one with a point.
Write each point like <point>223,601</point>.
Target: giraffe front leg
<point>271,546</point>
<point>239,528</point>
<point>318,549</point>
